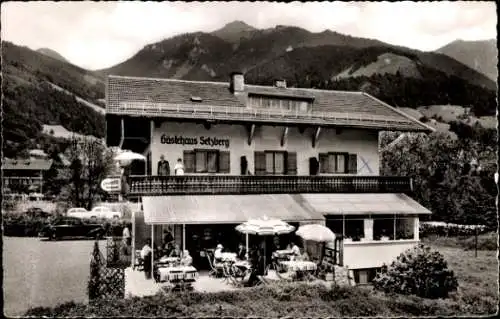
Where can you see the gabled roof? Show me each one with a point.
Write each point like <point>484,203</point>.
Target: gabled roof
<point>178,98</point>
<point>26,164</point>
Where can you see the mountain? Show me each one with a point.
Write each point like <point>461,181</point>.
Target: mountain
<point>330,60</point>
<point>52,54</point>
<point>481,56</point>
<point>40,90</point>
<point>234,31</point>
<point>202,56</point>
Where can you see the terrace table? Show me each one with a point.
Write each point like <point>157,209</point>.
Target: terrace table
<point>232,257</point>
<point>177,273</point>
<point>301,267</point>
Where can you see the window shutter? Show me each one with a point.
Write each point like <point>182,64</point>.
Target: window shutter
<point>352,164</point>
<point>224,162</point>
<point>323,163</point>
<point>260,163</point>
<point>291,163</point>
<point>189,159</point>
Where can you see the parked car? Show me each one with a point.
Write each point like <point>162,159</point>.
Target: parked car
<point>71,227</point>
<point>105,212</point>
<point>78,212</point>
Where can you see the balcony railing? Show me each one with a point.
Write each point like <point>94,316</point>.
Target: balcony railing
<point>225,185</point>
<point>208,112</point>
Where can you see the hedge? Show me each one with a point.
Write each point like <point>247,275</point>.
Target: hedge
<point>293,300</point>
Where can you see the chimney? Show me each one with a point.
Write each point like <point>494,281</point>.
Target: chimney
<point>280,84</point>
<point>237,83</point>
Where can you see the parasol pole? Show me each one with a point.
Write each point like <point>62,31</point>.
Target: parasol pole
<point>246,235</point>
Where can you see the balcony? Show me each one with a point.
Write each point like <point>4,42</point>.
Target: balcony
<point>256,115</point>
<point>228,185</point>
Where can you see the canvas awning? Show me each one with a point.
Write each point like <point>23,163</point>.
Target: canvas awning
<point>363,204</point>
<point>218,209</point>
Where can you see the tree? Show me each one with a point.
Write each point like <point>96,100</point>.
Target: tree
<point>443,180</point>
<point>91,162</point>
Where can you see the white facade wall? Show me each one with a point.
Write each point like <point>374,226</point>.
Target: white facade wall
<point>364,143</point>
<point>373,254</point>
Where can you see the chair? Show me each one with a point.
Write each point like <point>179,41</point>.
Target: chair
<point>228,276</point>
<point>139,262</point>
<point>215,269</point>
<point>176,277</point>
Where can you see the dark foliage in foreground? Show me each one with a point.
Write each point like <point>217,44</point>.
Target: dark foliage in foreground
<point>291,300</point>
<point>418,271</point>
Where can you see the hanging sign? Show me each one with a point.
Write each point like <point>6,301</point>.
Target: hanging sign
<point>111,185</point>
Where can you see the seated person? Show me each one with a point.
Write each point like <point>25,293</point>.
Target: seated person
<point>186,260</point>
<point>241,252</point>
<point>295,249</point>
<point>176,252</point>
<point>218,253</point>
<point>304,257</point>
<point>167,249</point>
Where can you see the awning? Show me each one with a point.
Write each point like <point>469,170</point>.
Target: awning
<point>217,209</point>
<point>362,204</point>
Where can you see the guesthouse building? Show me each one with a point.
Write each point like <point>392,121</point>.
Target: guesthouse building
<point>23,176</point>
<point>248,151</point>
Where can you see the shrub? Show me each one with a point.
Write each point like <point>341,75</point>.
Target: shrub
<point>418,271</point>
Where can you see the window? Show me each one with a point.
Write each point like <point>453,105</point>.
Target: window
<point>383,226</point>
<point>354,229</point>
<point>336,226</point>
<point>333,162</point>
<point>275,162</point>
<point>206,161</point>
<point>405,228</point>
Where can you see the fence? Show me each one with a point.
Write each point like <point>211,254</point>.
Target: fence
<point>105,282</point>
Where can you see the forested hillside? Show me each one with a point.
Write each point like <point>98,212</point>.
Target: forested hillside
<point>29,101</point>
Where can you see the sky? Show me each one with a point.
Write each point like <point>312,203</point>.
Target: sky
<point>96,35</point>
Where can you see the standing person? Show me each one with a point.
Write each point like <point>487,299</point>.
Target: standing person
<point>146,255</point>
<point>127,239</point>
<point>163,167</point>
<point>241,252</point>
<point>168,240</point>
<point>179,167</point>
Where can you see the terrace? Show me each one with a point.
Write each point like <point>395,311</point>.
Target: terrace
<point>227,185</point>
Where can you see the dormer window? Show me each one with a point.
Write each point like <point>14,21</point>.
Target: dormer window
<point>196,99</point>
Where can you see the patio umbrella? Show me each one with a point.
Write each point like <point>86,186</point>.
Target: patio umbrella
<point>317,233</point>
<point>126,157</point>
<point>264,227</point>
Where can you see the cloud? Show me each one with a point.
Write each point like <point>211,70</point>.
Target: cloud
<point>101,34</point>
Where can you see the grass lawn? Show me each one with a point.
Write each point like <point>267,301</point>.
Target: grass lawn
<point>44,273</point>
<point>477,294</point>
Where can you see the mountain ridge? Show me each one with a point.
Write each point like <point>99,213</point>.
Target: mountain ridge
<point>257,47</point>
<point>480,55</point>
<point>53,54</point>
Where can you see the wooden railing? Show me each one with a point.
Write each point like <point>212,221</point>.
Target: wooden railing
<point>230,113</point>
<point>220,184</point>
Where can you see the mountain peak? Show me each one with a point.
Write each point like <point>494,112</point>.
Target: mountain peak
<point>51,53</point>
<point>234,31</point>
<point>238,25</point>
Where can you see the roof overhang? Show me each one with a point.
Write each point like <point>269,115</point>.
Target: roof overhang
<point>224,209</point>
<point>365,204</point>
